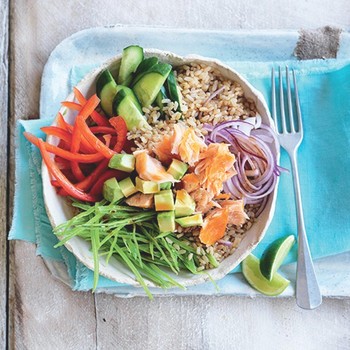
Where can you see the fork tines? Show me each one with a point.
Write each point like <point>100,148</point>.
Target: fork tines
<point>287,122</point>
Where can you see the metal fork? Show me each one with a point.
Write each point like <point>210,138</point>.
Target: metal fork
<point>308,294</point>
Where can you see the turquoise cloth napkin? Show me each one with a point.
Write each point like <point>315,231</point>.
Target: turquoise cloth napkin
<point>324,165</point>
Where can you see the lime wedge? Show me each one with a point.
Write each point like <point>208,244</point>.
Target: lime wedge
<point>251,271</point>
<point>274,255</point>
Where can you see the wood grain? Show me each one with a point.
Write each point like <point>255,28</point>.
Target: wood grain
<point>44,314</point>
<point>4,26</point>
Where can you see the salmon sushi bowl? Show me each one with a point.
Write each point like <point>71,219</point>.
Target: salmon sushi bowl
<point>160,170</point>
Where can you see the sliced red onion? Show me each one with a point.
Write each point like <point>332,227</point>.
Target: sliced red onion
<point>214,94</point>
<point>256,165</point>
<point>225,243</point>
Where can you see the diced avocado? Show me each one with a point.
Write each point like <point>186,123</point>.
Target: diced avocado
<point>184,204</point>
<point>131,58</point>
<point>147,88</point>
<point>147,186</point>
<point>127,187</point>
<point>177,169</point>
<point>166,185</point>
<point>131,95</point>
<point>123,162</point>
<point>166,221</point>
<point>189,221</point>
<point>173,90</point>
<point>111,190</point>
<point>124,106</point>
<point>144,67</point>
<point>164,200</point>
<point>106,89</point>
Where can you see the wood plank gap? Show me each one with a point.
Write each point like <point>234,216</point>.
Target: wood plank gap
<point>4,161</point>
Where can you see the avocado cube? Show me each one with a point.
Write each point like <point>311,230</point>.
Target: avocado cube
<point>147,187</point>
<point>177,169</point>
<point>184,204</point>
<point>127,187</point>
<point>164,200</point>
<point>111,190</point>
<point>166,185</point>
<point>166,221</point>
<point>189,221</point>
<point>122,161</point>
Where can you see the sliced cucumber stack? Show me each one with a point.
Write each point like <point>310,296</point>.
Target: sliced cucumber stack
<point>148,86</point>
<point>106,89</point>
<point>159,99</point>
<point>132,57</point>
<point>124,105</point>
<point>144,67</point>
<point>131,94</point>
<point>173,90</point>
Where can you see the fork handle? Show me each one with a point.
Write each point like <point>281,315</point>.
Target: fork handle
<point>308,293</point>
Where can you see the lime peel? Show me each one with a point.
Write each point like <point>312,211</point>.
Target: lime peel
<point>274,255</point>
<point>251,272</point>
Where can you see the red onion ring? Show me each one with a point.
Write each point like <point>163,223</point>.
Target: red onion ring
<point>251,143</point>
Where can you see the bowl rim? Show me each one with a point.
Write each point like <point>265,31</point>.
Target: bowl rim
<point>258,97</point>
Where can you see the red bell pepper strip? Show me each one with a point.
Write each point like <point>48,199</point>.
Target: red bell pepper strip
<point>97,117</point>
<point>107,138</point>
<point>67,137</point>
<point>63,181</point>
<point>58,132</point>
<point>62,163</point>
<point>98,145</point>
<point>62,192</point>
<point>92,178</point>
<point>71,105</point>
<point>62,123</point>
<point>120,127</point>
<point>84,113</point>
<point>102,130</point>
<point>98,186</point>
<point>55,183</point>
<point>81,158</point>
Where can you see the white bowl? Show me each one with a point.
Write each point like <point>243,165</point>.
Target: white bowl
<point>58,211</point>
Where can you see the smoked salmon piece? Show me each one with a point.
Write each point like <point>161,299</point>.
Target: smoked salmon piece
<point>214,226</point>
<point>151,169</point>
<point>190,182</point>
<point>163,149</point>
<point>237,215</point>
<point>184,143</point>
<point>141,200</point>
<point>215,166</point>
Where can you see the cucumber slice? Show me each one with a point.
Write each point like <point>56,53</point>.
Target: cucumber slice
<point>132,57</point>
<point>160,97</point>
<point>147,88</point>
<point>143,67</point>
<point>131,94</point>
<point>124,106</point>
<point>106,89</point>
<point>173,90</point>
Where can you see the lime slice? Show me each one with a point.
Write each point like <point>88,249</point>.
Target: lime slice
<point>251,271</point>
<point>274,255</point>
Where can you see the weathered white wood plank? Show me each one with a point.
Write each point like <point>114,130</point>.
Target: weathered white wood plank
<point>46,314</point>
<point>220,323</point>
<point>4,25</point>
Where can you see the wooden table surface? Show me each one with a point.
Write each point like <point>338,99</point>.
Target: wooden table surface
<point>38,312</point>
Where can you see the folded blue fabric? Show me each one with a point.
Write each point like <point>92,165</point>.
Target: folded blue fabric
<point>324,165</point>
